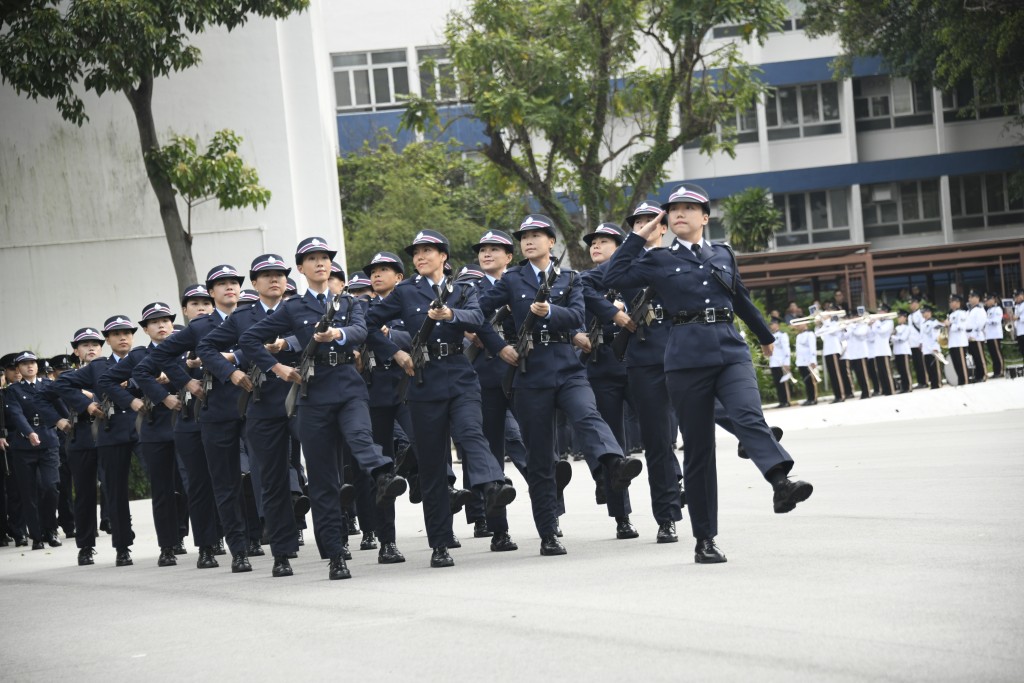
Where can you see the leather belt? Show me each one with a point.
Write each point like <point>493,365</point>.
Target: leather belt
<point>444,349</point>
<point>333,358</point>
<point>706,316</point>
<point>546,337</point>
<point>35,420</point>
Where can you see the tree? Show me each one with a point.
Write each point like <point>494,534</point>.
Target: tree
<point>51,49</point>
<point>388,195</point>
<point>750,219</point>
<point>569,112</point>
<point>218,173</point>
<point>945,42</point>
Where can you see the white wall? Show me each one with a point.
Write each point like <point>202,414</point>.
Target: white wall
<point>80,233</point>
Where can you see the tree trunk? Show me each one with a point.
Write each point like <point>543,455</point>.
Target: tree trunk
<point>178,241</point>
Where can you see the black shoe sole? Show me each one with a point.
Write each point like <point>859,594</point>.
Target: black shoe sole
<point>441,564</point>
<point>668,539</point>
<point>799,495</point>
<point>629,470</point>
<point>390,559</point>
<point>166,564</point>
<point>552,553</point>
<point>563,475</point>
<point>279,573</point>
<point>340,576</point>
<point>241,570</point>
<point>395,488</point>
<point>347,495</point>
<point>504,548</point>
<point>625,535</point>
<point>503,499</point>
<point>700,559</point>
<point>207,566</point>
<point>301,506</point>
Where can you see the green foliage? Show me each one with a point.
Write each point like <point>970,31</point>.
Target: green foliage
<point>53,48</point>
<point>750,219</point>
<point>138,482</point>
<point>388,195</point>
<point>218,173</point>
<point>566,109</point>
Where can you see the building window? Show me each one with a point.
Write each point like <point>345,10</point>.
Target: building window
<point>903,208</point>
<point>816,217</point>
<point>743,122</point>
<point>437,74</point>
<point>794,21</point>
<point>803,111</point>
<point>984,201</point>
<point>882,102</point>
<point>370,81</point>
<point>965,102</point>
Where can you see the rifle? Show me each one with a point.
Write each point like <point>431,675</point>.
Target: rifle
<point>257,377</point>
<point>207,382</point>
<point>595,333</point>
<point>308,358</point>
<point>524,335</point>
<point>420,354</point>
<point>106,411</point>
<point>146,409</point>
<point>496,321</point>
<point>641,314</point>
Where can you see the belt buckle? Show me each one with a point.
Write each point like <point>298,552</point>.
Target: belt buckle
<point>442,350</point>
<point>35,420</point>
<point>659,312</point>
<point>709,315</point>
<point>332,358</point>
<point>545,337</point>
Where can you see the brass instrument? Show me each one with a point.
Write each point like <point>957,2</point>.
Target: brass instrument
<point>817,317</point>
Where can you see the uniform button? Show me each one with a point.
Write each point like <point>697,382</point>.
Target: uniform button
<point>522,296</point>
<point>417,310</point>
<point>677,270</point>
<point>705,283</point>
<point>702,267</point>
<point>707,301</point>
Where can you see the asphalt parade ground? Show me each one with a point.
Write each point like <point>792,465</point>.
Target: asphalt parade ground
<point>907,563</point>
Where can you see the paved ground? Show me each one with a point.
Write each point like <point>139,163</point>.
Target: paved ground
<point>906,564</point>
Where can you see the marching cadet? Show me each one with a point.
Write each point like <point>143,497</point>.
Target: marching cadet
<point>807,362</point>
<point>156,438</point>
<point>901,340</point>
<point>606,373</point>
<point>645,370</point>
<point>706,358</point>
<point>333,405</point>
<point>220,426</point>
<point>957,326</point>
<point>915,321</point>
<point>65,506</point>
<point>443,391</point>
<point>336,283</point>
<point>779,362</point>
<point>35,417</point>
<point>175,394</point>
<point>976,322</point>
<point>551,376</point>
<point>831,334</point>
<point>267,432</point>
<point>858,353</point>
<point>1018,318</point>
<point>881,330</point>
<point>115,437</point>
<point>994,333</point>
<point>930,349</point>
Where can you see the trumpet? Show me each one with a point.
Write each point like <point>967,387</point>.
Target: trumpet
<point>817,317</point>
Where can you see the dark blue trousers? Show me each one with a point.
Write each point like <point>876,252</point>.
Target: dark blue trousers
<point>202,507</point>
<point>221,443</point>
<point>268,441</point>
<point>610,399</point>
<point>84,475</point>
<point>321,427</point>
<point>116,463</point>
<point>657,426</point>
<point>38,480</point>
<point>693,392</point>
<point>480,464</point>
<point>159,461</point>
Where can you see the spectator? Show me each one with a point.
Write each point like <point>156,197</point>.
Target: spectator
<point>792,311</point>
<point>840,301</point>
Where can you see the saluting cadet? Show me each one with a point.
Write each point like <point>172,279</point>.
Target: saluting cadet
<point>930,348</point>
<point>957,325</point>
<point>807,362</point>
<point>915,321</point>
<point>267,428</point>
<point>779,363</point>
<point>881,330</point>
<point>444,395</point>
<point>333,405</point>
<point>994,333</point>
<point>220,426</point>
<point>35,419</point>
<point>552,376</point>
<point>606,374</point>
<point>901,349</point>
<point>1018,318</point>
<point>976,321</point>
<point>156,437</point>
<point>831,349</point>
<point>115,436</point>
<point>706,358</point>
<point>858,353</point>
<point>176,395</point>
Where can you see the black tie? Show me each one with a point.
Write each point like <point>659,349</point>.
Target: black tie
<point>695,247</point>
<point>270,311</point>
<point>322,298</point>
<point>540,278</point>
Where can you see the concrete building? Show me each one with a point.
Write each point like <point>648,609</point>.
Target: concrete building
<point>80,233</point>
<point>884,183</point>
